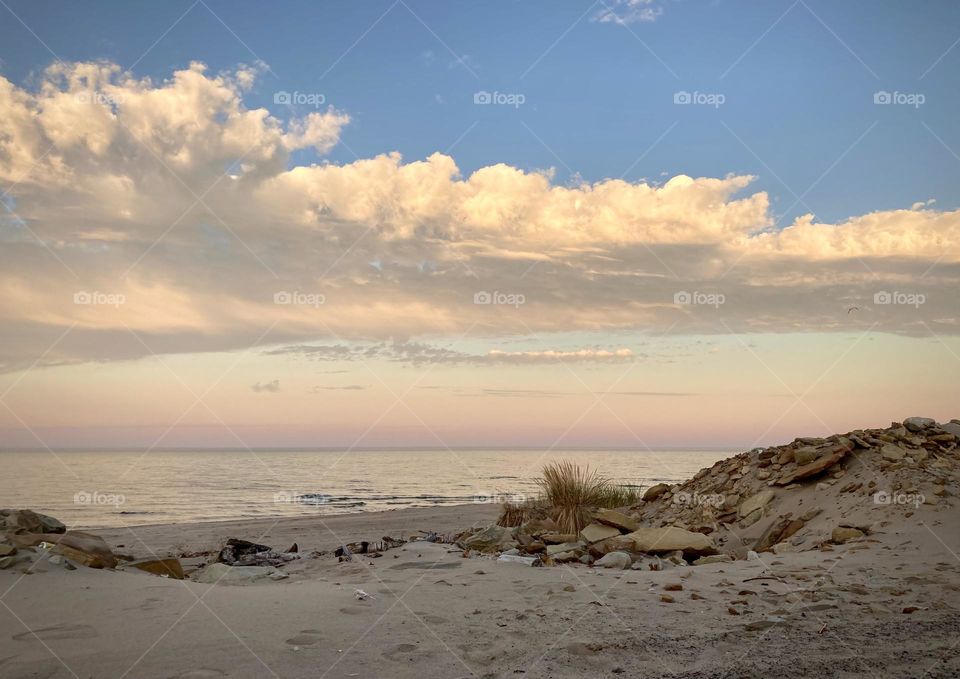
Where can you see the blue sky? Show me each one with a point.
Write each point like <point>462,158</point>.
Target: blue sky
<point>798,81</point>
<point>184,227</point>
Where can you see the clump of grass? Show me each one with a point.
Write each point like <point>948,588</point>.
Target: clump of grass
<point>573,492</point>
<point>513,514</point>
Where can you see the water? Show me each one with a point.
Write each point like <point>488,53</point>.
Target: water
<point>101,489</point>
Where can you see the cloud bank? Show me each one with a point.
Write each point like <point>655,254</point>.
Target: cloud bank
<point>144,216</point>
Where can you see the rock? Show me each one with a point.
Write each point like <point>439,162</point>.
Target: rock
<point>28,521</point>
<point>713,558</point>
<point>558,538</point>
<point>805,455</point>
<point>892,452</point>
<point>7,550</point>
<point>666,598</point>
<point>817,466</point>
<point>751,518</point>
<point>233,575</point>
<point>596,532</point>
<point>670,539</point>
<point>758,501</point>
<point>169,568</point>
<point>7,562</point>
<point>490,539</point>
<point>554,550</point>
<point>917,424</point>
<point>85,549</point>
<point>653,492</point>
<point>618,560</point>
<point>562,557</point>
<point>618,543</point>
<point>842,534</point>
<point>951,428</point>
<point>617,520</point>
<point>673,587</point>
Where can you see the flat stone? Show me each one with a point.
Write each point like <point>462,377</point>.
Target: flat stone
<point>617,520</point>
<point>170,568</point>
<point>490,539</point>
<point>670,539</point>
<point>816,467</point>
<point>596,532</point>
<point>805,455</point>
<point>554,550</point>
<point>85,549</point>
<point>892,452</point>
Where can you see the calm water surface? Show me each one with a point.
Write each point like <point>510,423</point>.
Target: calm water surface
<point>99,489</point>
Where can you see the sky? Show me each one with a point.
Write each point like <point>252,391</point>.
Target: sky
<point>633,223</point>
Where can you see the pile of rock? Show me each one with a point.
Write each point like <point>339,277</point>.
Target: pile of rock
<point>809,494</point>
<point>612,540</point>
<point>27,536</point>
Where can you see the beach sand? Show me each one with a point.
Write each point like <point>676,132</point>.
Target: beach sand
<point>433,613</point>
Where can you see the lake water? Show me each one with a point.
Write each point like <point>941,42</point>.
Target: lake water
<point>100,489</point>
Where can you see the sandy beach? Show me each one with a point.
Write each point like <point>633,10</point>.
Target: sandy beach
<point>881,603</point>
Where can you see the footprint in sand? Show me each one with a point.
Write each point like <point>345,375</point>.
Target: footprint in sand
<point>307,637</point>
<point>353,610</point>
<point>58,632</point>
<point>431,619</point>
<point>405,652</point>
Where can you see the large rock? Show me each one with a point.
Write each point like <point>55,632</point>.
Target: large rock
<point>670,539</point>
<point>758,501</point>
<point>805,455</point>
<point>618,543</point>
<point>617,520</point>
<point>28,521</point>
<point>916,424</point>
<point>85,549</point>
<point>951,428</point>
<point>491,539</point>
<point>653,492</point>
<point>235,575</point>
<point>818,466</point>
<point>596,532</point>
<point>618,560</point>
<point>553,550</point>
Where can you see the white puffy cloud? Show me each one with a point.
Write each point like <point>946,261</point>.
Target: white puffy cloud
<point>178,199</point>
<point>625,12</point>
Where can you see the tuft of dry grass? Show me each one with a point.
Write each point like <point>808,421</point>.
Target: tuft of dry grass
<point>573,492</point>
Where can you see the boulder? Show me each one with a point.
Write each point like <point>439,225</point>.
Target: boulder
<point>653,492</point>
<point>842,534</point>
<point>805,455</point>
<point>670,539</point>
<point>758,501</point>
<point>951,428</point>
<point>617,520</point>
<point>490,539</point>
<point>618,543</point>
<point>7,550</point>
<point>85,549</point>
<point>236,575</point>
<point>618,560</point>
<point>28,521</point>
<point>916,424</point>
<point>596,532</point>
